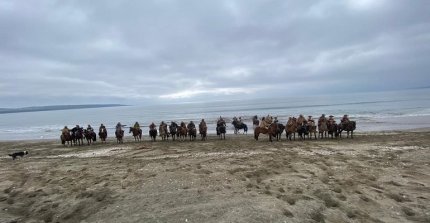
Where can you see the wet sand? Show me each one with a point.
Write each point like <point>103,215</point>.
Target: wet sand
<point>375,177</point>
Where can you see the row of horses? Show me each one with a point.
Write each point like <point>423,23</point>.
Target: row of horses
<point>175,131</point>
<point>182,131</point>
<point>305,129</point>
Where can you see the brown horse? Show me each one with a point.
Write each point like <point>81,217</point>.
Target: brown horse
<point>182,131</point>
<point>66,137</point>
<point>312,128</point>
<point>137,133</point>
<point>332,129</point>
<point>203,130</point>
<point>271,131</point>
<point>164,134</point>
<point>103,135</point>
<point>173,130</point>
<point>322,128</point>
<point>90,136</point>
<point>291,128</point>
<point>348,126</point>
<point>119,136</point>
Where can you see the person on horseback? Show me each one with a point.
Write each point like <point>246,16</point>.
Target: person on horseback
<point>344,119</point>
<point>118,128</point>
<point>90,129</point>
<point>152,126</point>
<point>331,120</point>
<point>322,119</point>
<point>102,128</point>
<point>136,126</point>
<point>65,131</point>
<point>203,123</point>
<point>275,120</point>
<point>191,125</point>
<point>301,119</point>
<point>220,121</point>
<point>310,119</point>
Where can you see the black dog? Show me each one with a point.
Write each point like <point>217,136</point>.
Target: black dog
<point>15,154</point>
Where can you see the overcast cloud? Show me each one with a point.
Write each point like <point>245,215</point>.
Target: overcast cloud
<point>137,52</point>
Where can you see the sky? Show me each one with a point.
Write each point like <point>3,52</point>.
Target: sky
<point>165,51</point>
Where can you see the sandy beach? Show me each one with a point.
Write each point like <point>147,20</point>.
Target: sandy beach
<point>375,177</point>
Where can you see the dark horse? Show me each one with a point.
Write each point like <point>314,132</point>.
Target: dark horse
<point>173,130</point>
<point>238,126</point>
<point>66,137</point>
<point>281,129</point>
<point>119,136</point>
<point>220,130</point>
<point>137,133</point>
<point>203,130</point>
<point>103,134</point>
<point>153,134</point>
<point>303,130</point>
<point>192,132</point>
<point>78,136</point>
<point>271,131</point>
<point>332,129</point>
<point>348,126</point>
<point>90,136</point>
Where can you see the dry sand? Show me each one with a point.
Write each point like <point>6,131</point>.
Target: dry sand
<point>375,177</point>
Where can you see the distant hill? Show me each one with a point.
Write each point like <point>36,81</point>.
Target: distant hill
<point>55,107</point>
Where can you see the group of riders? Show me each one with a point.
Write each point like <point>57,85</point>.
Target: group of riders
<point>264,123</point>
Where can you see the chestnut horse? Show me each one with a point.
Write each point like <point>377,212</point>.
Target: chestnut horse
<point>103,135</point>
<point>78,136</point>
<point>332,129</point>
<point>137,133</point>
<point>203,130</point>
<point>164,134</point>
<point>291,128</point>
<point>312,128</point>
<point>271,131</point>
<point>182,131</point>
<point>348,126</point>
<point>67,137</point>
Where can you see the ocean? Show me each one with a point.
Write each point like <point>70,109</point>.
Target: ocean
<point>374,111</point>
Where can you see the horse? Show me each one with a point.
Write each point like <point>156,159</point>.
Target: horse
<point>303,130</point>
<point>255,121</point>
<point>348,126</point>
<point>173,129</point>
<point>153,134</point>
<point>291,128</point>
<point>332,129</point>
<point>66,137</point>
<point>279,131</point>
<point>182,131</point>
<point>119,136</point>
<point>221,130</point>
<point>192,132</point>
<point>90,136</point>
<point>322,129</point>
<point>312,128</point>
<point>103,135</point>
<point>238,126</point>
<point>203,129</point>
<point>164,134</point>
<point>78,136</point>
<point>271,131</point>
<point>137,133</point>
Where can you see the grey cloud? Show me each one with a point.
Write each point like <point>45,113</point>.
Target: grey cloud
<point>151,51</point>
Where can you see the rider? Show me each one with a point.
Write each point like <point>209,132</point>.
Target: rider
<point>191,125</point>
<point>65,130</point>
<point>220,121</point>
<point>102,127</point>
<point>301,119</point>
<point>90,129</point>
<point>152,126</point>
<point>136,126</point>
<point>202,123</point>
<point>344,119</point>
<point>310,119</point>
<point>118,127</point>
<point>331,120</point>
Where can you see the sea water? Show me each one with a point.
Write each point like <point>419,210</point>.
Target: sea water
<point>374,111</point>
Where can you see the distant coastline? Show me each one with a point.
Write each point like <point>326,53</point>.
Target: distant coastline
<point>55,108</point>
